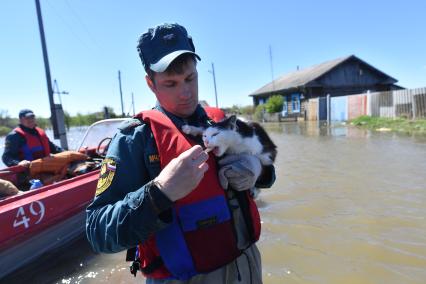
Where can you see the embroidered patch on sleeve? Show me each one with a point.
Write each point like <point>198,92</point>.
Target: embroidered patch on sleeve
<point>106,175</point>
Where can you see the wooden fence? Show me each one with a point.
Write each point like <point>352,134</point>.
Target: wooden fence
<point>409,103</point>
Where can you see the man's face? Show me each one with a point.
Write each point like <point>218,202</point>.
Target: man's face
<point>29,122</point>
<point>177,93</point>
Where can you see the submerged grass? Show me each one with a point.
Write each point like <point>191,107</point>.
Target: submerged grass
<point>389,124</point>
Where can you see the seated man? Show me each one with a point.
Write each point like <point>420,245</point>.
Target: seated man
<point>27,142</point>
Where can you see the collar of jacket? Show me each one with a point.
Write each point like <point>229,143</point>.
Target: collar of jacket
<point>198,116</point>
<point>32,131</point>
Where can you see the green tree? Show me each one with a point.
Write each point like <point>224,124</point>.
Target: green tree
<point>274,104</point>
<point>247,110</point>
<point>67,119</point>
<point>44,122</point>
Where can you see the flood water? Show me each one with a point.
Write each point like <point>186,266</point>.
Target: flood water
<point>348,206</point>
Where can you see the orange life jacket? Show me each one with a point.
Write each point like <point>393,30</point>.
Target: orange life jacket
<point>201,237</point>
<point>35,147</point>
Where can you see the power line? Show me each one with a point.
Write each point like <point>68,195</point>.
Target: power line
<point>58,14</point>
<point>94,48</point>
<point>90,35</point>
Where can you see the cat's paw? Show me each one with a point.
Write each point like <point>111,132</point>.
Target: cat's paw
<point>186,129</point>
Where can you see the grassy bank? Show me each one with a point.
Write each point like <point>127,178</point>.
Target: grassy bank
<point>4,130</point>
<point>389,124</point>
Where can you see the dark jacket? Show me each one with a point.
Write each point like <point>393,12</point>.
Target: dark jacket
<point>122,216</point>
<point>15,141</point>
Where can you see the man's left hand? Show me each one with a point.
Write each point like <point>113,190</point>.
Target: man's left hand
<point>24,163</point>
<point>240,171</point>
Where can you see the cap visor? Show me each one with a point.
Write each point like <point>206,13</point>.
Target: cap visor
<point>164,62</point>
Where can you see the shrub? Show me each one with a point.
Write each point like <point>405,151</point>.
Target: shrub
<point>258,113</point>
<point>274,104</point>
<point>4,130</point>
<point>247,110</point>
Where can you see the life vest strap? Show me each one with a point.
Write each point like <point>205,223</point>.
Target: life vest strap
<point>150,268</point>
<point>156,263</point>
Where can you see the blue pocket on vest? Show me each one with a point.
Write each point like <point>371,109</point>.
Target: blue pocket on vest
<point>173,247</point>
<point>204,214</point>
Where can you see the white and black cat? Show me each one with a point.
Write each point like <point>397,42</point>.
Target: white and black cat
<point>234,136</point>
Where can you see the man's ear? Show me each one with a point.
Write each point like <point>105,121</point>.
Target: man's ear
<point>150,83</point>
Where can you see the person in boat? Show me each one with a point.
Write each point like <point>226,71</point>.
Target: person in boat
<point>27,142</point>
<point>159,194</point>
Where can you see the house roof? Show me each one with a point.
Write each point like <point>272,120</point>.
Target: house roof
<point>303,77</point>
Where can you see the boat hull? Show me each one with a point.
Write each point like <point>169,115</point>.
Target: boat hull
<point>41,220</point>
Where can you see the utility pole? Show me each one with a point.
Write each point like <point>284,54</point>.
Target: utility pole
<point>133,104</point>
<point>121,94</point>
<point>272,68</point>
<point>56,91</point>
<point>214,82</point>
<point>57,119</point>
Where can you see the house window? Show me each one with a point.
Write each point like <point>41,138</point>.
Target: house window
<point>295,102</point>
<point>262,101</point>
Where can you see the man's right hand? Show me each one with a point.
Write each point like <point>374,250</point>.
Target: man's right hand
<point>183,173</point>
<point>24,163</point>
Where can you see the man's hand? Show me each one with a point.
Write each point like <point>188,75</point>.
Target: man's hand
<point>240,171</point>
<point>24,163</point>
<point>183,173</point>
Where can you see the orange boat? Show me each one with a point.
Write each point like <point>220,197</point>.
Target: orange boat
<point>44,219</point>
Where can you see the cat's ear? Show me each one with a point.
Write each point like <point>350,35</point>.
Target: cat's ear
<point>232,122</point>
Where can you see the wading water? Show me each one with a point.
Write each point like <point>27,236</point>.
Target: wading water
<point>348,206</point>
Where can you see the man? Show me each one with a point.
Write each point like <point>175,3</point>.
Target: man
<point>160,192</point>
<point>27,142</point>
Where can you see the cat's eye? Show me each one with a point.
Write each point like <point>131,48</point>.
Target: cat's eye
<point>213,135</point>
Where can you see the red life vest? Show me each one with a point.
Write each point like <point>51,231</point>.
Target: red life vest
<point>201,237</point>
<point>35,147</point>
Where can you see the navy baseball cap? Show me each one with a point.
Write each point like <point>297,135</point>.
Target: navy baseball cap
<point>26,113</point>
<point>162,44</point>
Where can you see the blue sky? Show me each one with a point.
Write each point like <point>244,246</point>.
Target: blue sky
<point>89,41</point>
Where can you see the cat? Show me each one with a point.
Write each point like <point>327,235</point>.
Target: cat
<point>234,136</point>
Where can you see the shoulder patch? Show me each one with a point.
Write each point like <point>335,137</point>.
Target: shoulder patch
<point>129,124</point>
<point>106,175</point>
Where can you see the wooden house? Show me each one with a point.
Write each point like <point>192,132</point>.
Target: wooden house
<point>339,77</point>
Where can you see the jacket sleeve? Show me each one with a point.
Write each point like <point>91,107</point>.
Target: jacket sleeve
<point>124,214</point>
<point>13,143</point>
<point>54,149</point>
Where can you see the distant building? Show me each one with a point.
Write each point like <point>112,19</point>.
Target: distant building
<point>343,76</point>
